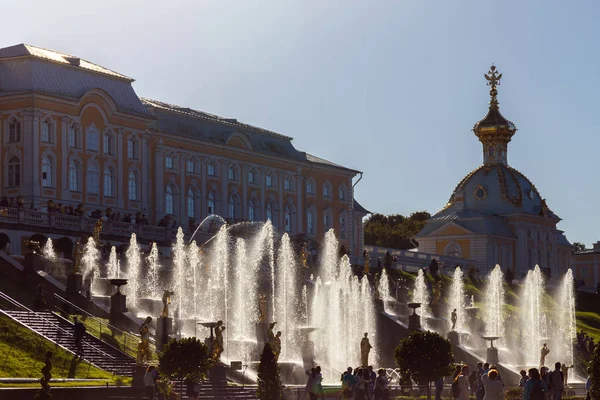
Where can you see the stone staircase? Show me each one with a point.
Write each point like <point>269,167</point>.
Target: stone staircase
<point>59,330</point>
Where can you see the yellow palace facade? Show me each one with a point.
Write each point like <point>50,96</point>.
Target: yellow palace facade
<point>77,133</point>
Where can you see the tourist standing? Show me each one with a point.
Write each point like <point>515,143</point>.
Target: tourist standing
<point>588,384</point>
<point>372,377</point>
<point>381,385</point>
<point>494,389</point>
<point>348,383</point>
<point>439,387</point>
<point>524,378</point>
<point>78,332</point>
<point>462,380</point>
<point>311,387</point>
<point>149,382</point>
<point>556,382</point>
<point>535,388</point>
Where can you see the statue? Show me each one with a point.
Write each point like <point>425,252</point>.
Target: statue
<point>365,348</point>
<point>144,346</point>
<point>97,229</point>
<point>454,318</point>
<point>166,300</point>
<point>274,340</point>
<point>33,246</point>
<point>77,257</point>
<point>218,344</point>
<point>543,353</point>
<point>437,292</point>
<point>304,255</point>
<point>44,392</point>
<point>565,371</point>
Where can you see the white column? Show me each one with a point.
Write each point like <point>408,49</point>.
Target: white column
<point>122,179</point>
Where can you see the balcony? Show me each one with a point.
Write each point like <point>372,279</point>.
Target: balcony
<point>13,218</point>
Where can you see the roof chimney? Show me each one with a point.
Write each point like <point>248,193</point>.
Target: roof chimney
<point>73,61</point>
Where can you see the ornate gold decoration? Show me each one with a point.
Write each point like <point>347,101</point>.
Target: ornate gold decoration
<point>517,199</point>
<point>493,79</point>
<point>480,192</point>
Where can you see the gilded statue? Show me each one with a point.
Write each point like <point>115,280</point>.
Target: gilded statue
<point>437,292</point>
<point>543,353</point>
<point>274,340</point>
<point>365,349</point>
<point>97,229</point>
<point>77,257</point>
<point>304,255</point>
<point>166,300</point>
<point>144,345</point>
<point>218,343</point>
<point>454,318</point>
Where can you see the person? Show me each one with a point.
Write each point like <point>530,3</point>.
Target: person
<point>535,388</point>
<point>588,384</point>
<point>439,387</point>
<point>362,386</point>
<point>149,382</point>
<point>479,391</point>
<point>494,389</point>
<point>318,382</point>
<point>463,383</point>
<point>348,383</point>
<point>381,385</point>
<point>565,370</point>
<point>524,378</point>
<point>79,332</point>
<point>311,388</point>
<point>556,382</point>
<point>473,382</point>
<point>372,378</point>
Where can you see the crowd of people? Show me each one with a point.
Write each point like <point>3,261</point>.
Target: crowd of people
<point>585,344</point>
<point>357,383</point>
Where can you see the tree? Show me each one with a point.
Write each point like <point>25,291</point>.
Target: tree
<point>578,247</point>
<point>186,358</point>
<point>594,372</point>
<point>426,356</point>
<point>395,231</point>
<point>269,384</point>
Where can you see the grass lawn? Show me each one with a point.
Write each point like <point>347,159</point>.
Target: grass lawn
<point>22,353</point>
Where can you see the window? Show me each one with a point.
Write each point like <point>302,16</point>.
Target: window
<point>251,212</point>
<point>286,184</point>
<point>74,176</point>
<point>231,173</point>
<point>231,208</point>
<point>14,172</point>
<point>342,193</point>
<point>342,228</point>
<point>14,131</point>
<point>93,179</point>
<point>47,136</point>
<point>169,162</point>
<point>288,219</point>
<point>169,200</point>
<point>72,137</point>
<point>108,145</point>
<point>108,182</point>
<point>133,187</point>
<point>310,222</point>
<point>210,205</point>
<point>191,204</point>
<point>453,250</point>
<point>327,222</point>
<point>211,170</point>
<point>132,148</point>
<point>326,190</point>
<point>310,187</point>
<point>47,172</point>
<point>269,181</point>
<point>269,212</point>
<point>190,167</point>
<point>92,139</point>
<point>250,176</point>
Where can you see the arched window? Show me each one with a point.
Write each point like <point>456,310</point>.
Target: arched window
<point>288,218</point>
<point>269,212</point>
<point>231,207</point>
<point>74,176</point>
<point>251,176</point>
<point>47,134</point>
<point>231,173</point>
<point>311,220</point>
<point>108,182</point>
<point>452,250</point>
<point>327,190</point>
<point>132,148</point>
<point>169,201</point>
<point>47,172</point>
<point>191,166</point>
<point>14,172</point>
<point>310,186</point>
<point>169,161</point>
<point>210,169</point>
<point>342,193</point>
<point>108,143</point>
<point>93,139</point>
<point>14,131</point>
<point>342,227</point>
<point>210,204</point>
<point>93,179</point>
<point>72,136</point>
<point>286,184</point>
<point>191,204</point>
<point>327,221</point>
<point>133,186</point>
<point>269,180</point>
<point>252,210</point>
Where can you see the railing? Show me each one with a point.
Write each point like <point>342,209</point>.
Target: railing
<point>83,224</point>
<point>13,304</point>
<point>128,341</point>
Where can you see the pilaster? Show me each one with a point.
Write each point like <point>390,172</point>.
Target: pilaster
<point>122,179</point>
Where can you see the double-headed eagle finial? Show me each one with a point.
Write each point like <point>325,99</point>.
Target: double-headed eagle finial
<point>493,79</point>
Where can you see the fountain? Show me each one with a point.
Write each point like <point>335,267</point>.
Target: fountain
<point>112,269</point>
<point>567,329</point>
<point>532,313</point>
<point>383,289</point>
<point>153,264</point>
<point>48,251</point>
<point>89,259</point>
<point>421,296</point>
<point>456,301</point>
<point>494,301</point>
<point>134,271</point>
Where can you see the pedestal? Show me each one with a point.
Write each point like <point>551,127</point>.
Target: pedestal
<point>33,262</point>
<point>414,322</point>
<point>164,327</point>
<point>138,375</point>
<point>118,305</point>
<point>454,338</point>
<point>218,373</point>
<point>308,354</point>
<point>74,283</point>
<point>492,356</point>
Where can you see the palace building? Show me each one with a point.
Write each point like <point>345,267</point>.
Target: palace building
<point>496,215</point>
<point>77,133</point>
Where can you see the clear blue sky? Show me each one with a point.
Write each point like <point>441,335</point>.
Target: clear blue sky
<point>391,88</point>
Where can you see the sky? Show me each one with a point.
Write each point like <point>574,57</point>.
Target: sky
<point>390,88</point>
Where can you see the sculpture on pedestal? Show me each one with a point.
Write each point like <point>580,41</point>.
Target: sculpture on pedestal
<point>304,255</point>
<point>218,344</point>
<point>144,346</point>
<point>166,300</point>
<point>97,229</point>
<point>365,348</point>
<point>454,318</point>
<point>543,353</point>
<point>274,341</point>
